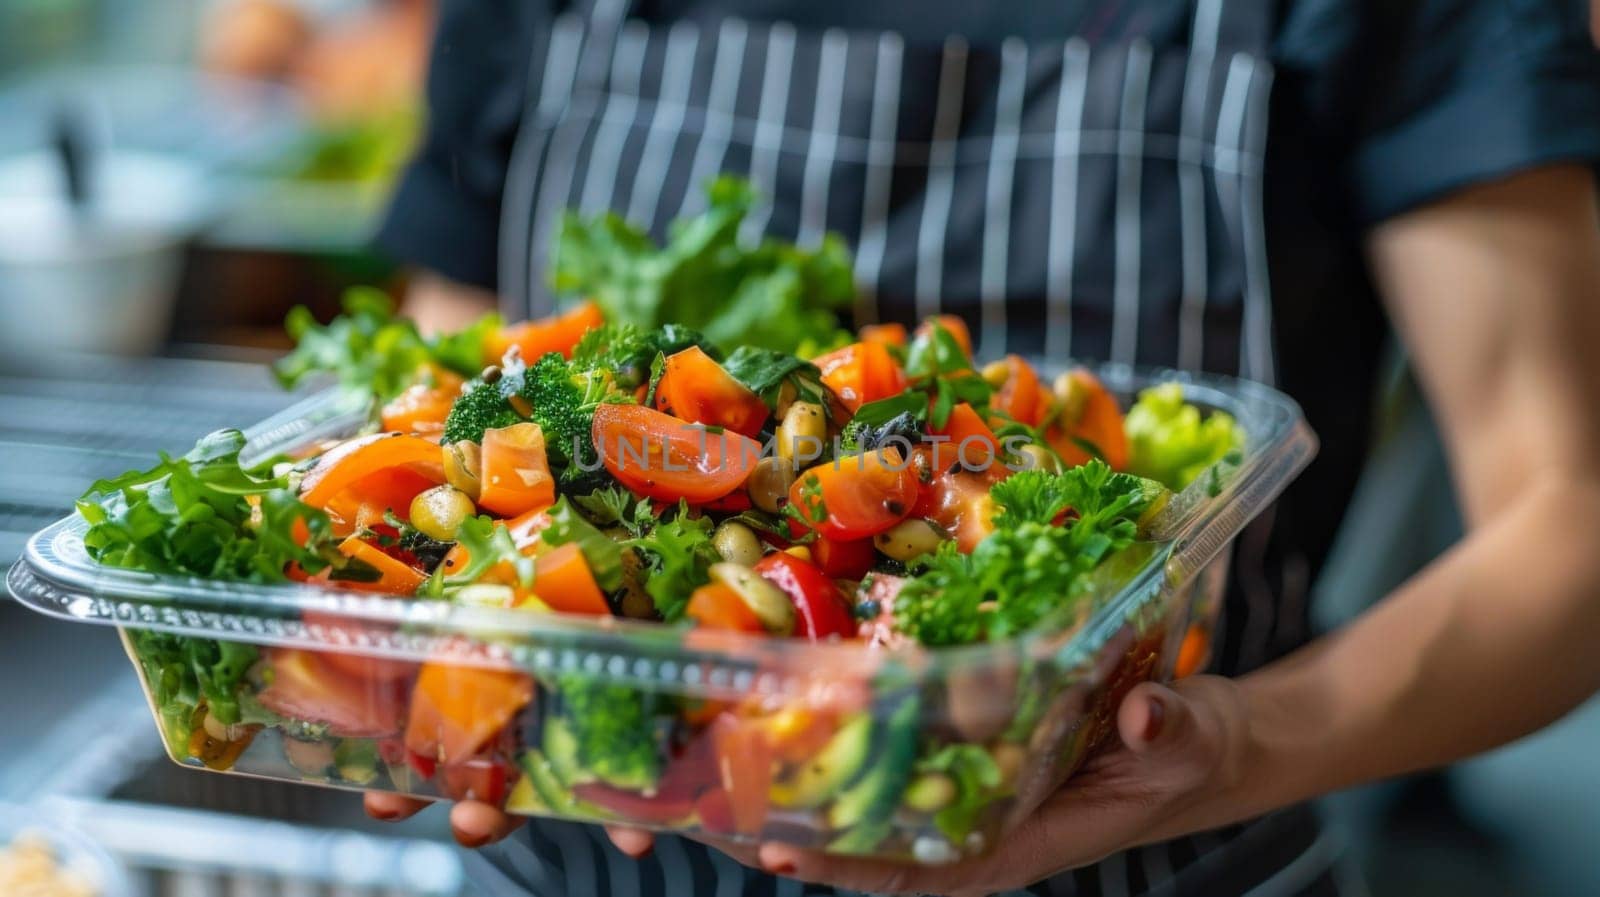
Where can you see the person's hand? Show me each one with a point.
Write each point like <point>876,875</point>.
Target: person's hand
<point>474,823</point>
<point>1180,760</point>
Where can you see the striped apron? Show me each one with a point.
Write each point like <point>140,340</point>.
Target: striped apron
<point>1066,197</point>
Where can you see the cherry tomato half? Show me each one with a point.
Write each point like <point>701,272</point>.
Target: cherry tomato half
<point>856,496</point>
<point>697,389</point>
<point>662,457</point>
<point>820,609</point>
<point>860,373</point>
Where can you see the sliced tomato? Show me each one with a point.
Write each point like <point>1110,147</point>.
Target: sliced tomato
<point>860,373</point>
<point>456,710</point>
<point>971,443</point>
<point>658,809</point>
<point>820,608</point>
<point>516,474</point>
<point>732,503</point>
<point>485,778</point>
<point>715,811</point>
<point>395,577</point>
<point>697,389</point>
<point>891,334</point>
<point>958,501</point>
<point>563,581</point>
<point>856,496</point>
<point>744,758</point>
<point>1021,398</point>
<point>661,457</point>
<point>716,606</point>
<point>844,559</point>
<point>306,686</point>
<point>1091,425</point>
<point>536,339</point>
<point>955,325</point>
<point>351,462</point>
<point>357,666</point>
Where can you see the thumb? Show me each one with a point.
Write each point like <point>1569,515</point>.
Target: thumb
<point>1154,721</point>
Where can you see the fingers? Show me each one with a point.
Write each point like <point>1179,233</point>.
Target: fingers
<point>636,843</point>
<point>871,876</point>
<point>391,807</point>
<point>476,824</point>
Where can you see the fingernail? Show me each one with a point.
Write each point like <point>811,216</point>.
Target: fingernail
<point>383,815</point>
<point>1155,719</point>
<point>641,854</point>
<point>782,867</point>
<point>466,840</point>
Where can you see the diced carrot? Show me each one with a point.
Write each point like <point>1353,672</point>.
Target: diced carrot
<point>456,710</point>
<point>1021,398</point>
<point>972,444</point>
<point>860,373</point>
<point>563,580</point>
<point>516,474</point>
<point>717,606</point>
<point>1096,424</point>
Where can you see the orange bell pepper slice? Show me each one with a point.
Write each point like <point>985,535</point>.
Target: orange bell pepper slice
<point>456,710</point>
<point>363,504</point>
<point>396,577</point>
<point>562,579</point>
<point>351,461</point>
<point>516,473</point>
<point>536,339</point>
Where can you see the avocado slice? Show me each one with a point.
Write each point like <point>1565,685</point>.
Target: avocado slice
<point>561,749</point>
<point>821,778</point>
<point>872,800</point>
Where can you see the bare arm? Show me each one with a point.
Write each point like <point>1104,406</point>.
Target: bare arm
<point>438,304</point>
<point>1497,295</point>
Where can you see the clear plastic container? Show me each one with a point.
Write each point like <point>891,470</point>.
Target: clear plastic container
<point>834,746</point>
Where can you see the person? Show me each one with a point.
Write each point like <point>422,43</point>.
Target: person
<point>1237,186</point>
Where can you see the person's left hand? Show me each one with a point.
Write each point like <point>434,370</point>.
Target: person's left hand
<point>1176,770</point>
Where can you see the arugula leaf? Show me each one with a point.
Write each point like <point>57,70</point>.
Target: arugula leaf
<point>603,554</point>
<point>615,506</point>
<point>205,515</point>
<point>370,348</point>
<point>769,296</point>
<point>488,545</point>
<point>766,371</point>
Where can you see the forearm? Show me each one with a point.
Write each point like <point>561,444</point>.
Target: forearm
<point>1492,641</point>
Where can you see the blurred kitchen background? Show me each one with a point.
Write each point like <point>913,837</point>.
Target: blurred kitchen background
<point>174,176</point>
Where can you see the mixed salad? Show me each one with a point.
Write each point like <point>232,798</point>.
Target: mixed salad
<point>635,458</point>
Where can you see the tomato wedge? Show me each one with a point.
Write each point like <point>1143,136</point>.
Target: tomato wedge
<point>891,334</point>
<point>563,581</point>
<point>954,324</point>
<point>486,779</point>
<point>856,496</point>
<point>305,686</point>
<point>972,444</point>
<point>352,461</point>
<point>860,373</point>
<point>1021,398</point>
<point>395,576</point>
<point>844,560</point>
<point>697,389</point>
<point>716,606</point>
<point>1091,420</point>
<point>959,502</point>
<point>820,609</point>
<point>357,666</point>
<point>536,339</point>
<point>516,473</point>
<point>744,757</point>
<point>455,710</point>
<point>661,457</point>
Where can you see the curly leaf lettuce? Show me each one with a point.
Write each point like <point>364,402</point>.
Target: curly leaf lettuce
<point>1170,441</point>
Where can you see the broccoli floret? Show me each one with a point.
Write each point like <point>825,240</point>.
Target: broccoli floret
<point>626,350</point>
<point>481,406</point>
<point>615,729</point>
